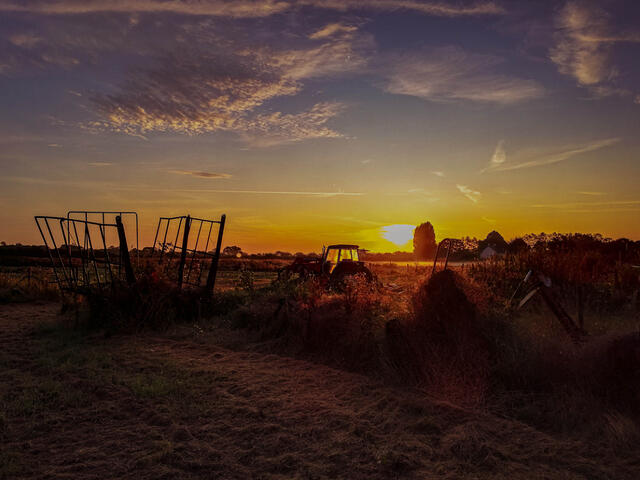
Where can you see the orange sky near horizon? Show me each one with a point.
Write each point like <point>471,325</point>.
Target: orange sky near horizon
<point>311,123</point>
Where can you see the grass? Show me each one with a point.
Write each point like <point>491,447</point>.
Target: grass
<point>454,337</point>
<point>26,285</point>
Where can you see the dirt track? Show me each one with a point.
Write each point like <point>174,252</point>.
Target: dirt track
<point>156,406</point>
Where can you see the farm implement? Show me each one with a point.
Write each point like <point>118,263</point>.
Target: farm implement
<point>90,250</point>
<point>337,263</point>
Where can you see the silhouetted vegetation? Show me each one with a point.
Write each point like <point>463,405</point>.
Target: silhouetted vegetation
<point>424,241</point>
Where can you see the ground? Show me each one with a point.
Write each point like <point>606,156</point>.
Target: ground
<point>190,404</point>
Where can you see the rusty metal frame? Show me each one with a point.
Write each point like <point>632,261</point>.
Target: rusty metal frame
<point>541,284</point>
<point>449,242</point>
<point>80,263</point>
<point>103,214</point>
<point>190,260</point>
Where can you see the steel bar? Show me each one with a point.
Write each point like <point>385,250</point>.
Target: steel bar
<point>195,250</point>
<point>205,251</point>
<point>124,252</point>
<point>46,245</point>
<point>213,269</point>
<point>183,253</point>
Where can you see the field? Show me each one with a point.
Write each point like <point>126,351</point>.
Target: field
<point>415,377</point>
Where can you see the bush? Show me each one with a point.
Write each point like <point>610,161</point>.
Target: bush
<point>442,347</point>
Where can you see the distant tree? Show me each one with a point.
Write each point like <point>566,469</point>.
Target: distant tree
<point>3,244</point>
<point>517,245</point>
<point>232,251</point>
<point>424,241</point>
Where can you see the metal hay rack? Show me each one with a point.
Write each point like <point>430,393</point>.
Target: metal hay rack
<point>89,250</point>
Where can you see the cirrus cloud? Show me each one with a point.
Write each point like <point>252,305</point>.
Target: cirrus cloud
<point>452,74</point>
<point>199,92</point>
<point>584,42</point>
<point>247,8</point>
<point>556,156</point>
<point>200,174</point>
<point>471,194</point>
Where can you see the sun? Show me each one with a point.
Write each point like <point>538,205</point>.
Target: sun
<point>399,234</point>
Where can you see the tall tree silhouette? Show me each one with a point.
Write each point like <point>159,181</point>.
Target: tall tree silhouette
<point>424,241</point>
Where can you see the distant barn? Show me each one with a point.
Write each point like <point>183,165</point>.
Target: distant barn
<point>494,244</point>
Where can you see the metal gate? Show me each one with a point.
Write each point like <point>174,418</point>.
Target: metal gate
<point>86,254</point>
<point>181,246</point>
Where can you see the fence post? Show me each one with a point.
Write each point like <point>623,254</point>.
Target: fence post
<point>213,270</point>
<point>124,252</point>
<point>183,253</point>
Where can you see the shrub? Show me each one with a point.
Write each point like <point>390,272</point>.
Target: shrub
<point>442,346</point>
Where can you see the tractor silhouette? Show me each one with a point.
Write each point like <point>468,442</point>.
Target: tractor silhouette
<point>334,266</point>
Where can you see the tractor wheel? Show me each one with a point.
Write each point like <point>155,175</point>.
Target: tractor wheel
<point>343,271</point>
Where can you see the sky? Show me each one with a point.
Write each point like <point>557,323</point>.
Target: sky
<point>323,121</point>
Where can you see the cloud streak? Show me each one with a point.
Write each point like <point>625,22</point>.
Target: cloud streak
<point>471,194</point>
<point>200,92</point>
<point>499,155</point>
<point>584,40</point>
<point>149,188</point>
<point>556,157</point>
<point>452,74</point>
<point>236,8</point>
<point>248,8</point>
<point>200,174</point>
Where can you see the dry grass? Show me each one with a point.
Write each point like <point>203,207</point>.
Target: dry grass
<point>27,285</point>
<point>452,338</point>
<point>184,404</point>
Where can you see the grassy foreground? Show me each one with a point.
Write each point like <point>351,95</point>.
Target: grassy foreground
<point>204,401</point>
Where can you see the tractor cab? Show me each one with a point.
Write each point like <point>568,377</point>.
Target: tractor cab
<point>337,263</point>
<point>335,254</point>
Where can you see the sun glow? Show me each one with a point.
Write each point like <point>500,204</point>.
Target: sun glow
<point>399,234</point>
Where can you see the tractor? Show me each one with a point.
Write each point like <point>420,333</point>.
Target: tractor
<point>336,264</point>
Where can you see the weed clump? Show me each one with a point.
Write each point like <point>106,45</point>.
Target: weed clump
<point>152,303</point>
<point>441,346</point>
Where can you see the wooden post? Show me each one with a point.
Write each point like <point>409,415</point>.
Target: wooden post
<point>213,270</point>
<point>124,252</point>
<point>183,253</point>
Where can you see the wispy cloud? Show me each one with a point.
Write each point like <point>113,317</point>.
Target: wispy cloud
<point>438,173</point>
<point>271,192</point>
<point>554,157</point>
<point>247,8</point>
<point>499,155</point>
<point>151,188</point>
<point>450,73</point>
<point>331,29</point>
<point>592,194</point>
<point>438,8</point>
<point>592,207</point>
<point>236,8</point>
<point>584,40</point>
<point>199,92</point>
<point>200,174</point>
<point>99,164</point>
<point>471,194</point>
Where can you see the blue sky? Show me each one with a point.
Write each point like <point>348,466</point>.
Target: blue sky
<point>310,120</point>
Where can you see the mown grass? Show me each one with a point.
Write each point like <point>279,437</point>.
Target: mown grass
<point>26,285</point>
<point>459,340</point>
